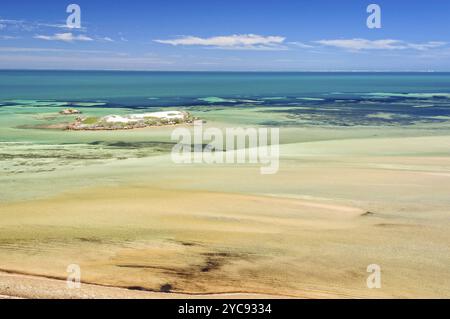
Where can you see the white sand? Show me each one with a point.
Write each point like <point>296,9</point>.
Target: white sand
<point>169,115</point>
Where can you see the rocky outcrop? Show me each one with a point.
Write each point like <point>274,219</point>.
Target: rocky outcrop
<point>132,121</point>
<point>69,112</point>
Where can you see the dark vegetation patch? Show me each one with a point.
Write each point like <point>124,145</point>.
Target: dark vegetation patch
<point>189,244</point>
<point>134,266</point>
<point>210,265</point>
<point>135,145</point>
<point>362,111</point>
<point>42,155</point>
<point>90,240</point>
<point>368,214</point>
<point>166,288</point>
<point>214,261</point>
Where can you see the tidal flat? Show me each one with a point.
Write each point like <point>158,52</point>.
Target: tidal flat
<point>355,187</point>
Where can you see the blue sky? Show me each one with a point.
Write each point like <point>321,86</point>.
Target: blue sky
<point>226,35</point>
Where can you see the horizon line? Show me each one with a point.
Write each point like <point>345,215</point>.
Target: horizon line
<point>232,71</point>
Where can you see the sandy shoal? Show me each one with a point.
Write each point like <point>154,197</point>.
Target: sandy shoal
<point>308,232</point>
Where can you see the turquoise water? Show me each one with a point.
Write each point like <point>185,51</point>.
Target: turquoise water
<point>343,99</point>
<point>30,102</point>
<point>313,98</point>
<point>146,87</point>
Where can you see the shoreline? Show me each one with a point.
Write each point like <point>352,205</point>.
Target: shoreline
<point>130,121</point>
<point>16,285</point>
<point>126,129</point>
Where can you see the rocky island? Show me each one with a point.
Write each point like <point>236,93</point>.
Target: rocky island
<point>132,121</point>
<point>69,112</point>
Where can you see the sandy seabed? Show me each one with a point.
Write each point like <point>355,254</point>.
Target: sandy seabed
<point>147,228</point>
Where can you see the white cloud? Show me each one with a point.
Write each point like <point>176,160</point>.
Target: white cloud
<point>301,45</point>
<point>17,25</point>
<point>53,50</point>
<point>60,26</point>
<point>363,44</point>
<point>107,39</point>
<point>65,37</point>
<point>235,41</point>
<point>384,44</point>
<point>29,26</point>
<point>122,37</point>
<point>426,46</point>
<point>8,37</point>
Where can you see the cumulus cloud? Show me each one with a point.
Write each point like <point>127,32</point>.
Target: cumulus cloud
<point>235,41</point>
<point>384,44</point>
<point>65,37</point>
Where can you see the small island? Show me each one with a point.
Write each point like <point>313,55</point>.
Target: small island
<point>132,121</point>
<point>69,112</point>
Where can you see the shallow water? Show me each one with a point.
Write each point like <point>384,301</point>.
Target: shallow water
<point>364,178</point>
<point>31,100</point>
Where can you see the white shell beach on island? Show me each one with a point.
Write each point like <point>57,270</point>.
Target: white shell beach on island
<point>169,115</point>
